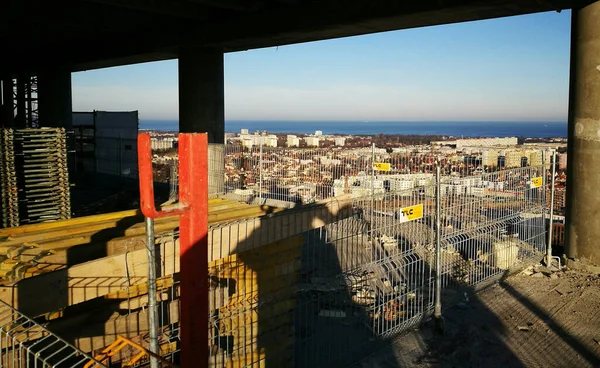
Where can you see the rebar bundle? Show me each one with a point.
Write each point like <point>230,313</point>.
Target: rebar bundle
<point>34,174</point>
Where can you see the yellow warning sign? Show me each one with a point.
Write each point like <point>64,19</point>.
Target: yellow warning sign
<point>411,213</point>
<point>536,182</point>
<point>381,166</point>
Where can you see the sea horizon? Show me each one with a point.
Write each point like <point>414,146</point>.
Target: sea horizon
<point>529,129</point>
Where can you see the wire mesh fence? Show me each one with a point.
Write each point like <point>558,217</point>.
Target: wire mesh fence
<point>285,176</point>
<point>499,227</point>
<point>313,287</point>
<point>329,283</point>
<point>25,343</point>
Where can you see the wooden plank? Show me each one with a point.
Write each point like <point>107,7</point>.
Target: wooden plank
<point>62,238</point>
<point>13,231</point>
<point>85,281</point>
<point>97,278</point>
<point>127,219</point>
<point>106,217</point>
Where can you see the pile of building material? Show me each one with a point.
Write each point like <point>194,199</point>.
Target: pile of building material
<point>30,250</point>
<point>8,180</point>
<point>35,178</point>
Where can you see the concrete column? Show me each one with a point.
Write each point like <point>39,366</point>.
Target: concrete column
<point>583,197</point>
<point>202,105</point>
<point>55,102</point>
<point>202,93</point>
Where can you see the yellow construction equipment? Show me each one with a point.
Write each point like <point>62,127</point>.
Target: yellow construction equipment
<point>119,344</point>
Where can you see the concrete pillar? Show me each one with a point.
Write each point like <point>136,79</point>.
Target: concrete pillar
<point>55,102</point>
<point>202,105</point>
<point>583,197</point>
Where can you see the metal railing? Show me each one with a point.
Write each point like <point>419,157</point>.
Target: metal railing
<point>25,343</point>
<point>326,291</point>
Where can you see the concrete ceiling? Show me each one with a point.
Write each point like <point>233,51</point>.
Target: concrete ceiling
<point>88,34</point>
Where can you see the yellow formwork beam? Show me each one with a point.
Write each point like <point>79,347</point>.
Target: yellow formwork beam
<point>60,235</point>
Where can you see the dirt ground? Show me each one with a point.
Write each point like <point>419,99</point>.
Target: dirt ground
<point>538,318</point>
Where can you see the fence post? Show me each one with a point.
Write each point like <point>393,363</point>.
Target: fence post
<point>152,308</point>
<point>543,194</point>
<point>260,171</point>
<point>438,234</point>
<point>372,182</point>
<point>549,249</point>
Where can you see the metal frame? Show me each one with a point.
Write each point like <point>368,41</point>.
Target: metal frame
<point>193,211</point>
<point>25,343</point>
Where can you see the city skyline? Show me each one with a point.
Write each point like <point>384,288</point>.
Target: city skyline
<point>443,73</point>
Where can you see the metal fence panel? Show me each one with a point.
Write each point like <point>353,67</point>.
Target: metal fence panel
<point>317,293</point>
<point>494,229</point>
<point>25,343</point>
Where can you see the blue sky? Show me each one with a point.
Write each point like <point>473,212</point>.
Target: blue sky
<point>496,70</point>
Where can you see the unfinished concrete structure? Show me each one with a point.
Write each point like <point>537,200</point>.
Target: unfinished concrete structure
<point>78,37</point>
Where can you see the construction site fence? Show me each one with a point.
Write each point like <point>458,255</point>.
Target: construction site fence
<point>318,286</point>
<point>25,344</point>
<point>287,176</point>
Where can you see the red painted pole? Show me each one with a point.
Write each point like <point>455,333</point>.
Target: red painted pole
<point>193,230</point>
<point>193,238</point>
<point>146,179</point>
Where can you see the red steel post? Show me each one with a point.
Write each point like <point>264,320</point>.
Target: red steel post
<point>146,179</point>
<point>193,245</point>
<point>193,238</point>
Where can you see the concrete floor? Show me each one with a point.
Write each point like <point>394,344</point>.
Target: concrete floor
<point>547,319</point>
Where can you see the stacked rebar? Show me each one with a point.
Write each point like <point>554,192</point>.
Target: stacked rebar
<point>35,181</point>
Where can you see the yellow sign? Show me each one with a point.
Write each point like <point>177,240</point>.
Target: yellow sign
<point>381,166</point>
<point>411,213</point>
<point>536,182</point>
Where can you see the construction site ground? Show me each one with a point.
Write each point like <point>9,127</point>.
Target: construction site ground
<point>537,318</point>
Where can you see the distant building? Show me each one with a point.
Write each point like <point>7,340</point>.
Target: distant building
<point>489,157</point>
<point>512,158</point>
<point>244,132</point>
<point>270,141</point>
<point>560,198</point>
<point>247,143</point>
<point>312,141</point>
<point>562,161</point>
<point>536,157</point>
<point>249,140</point>
<point>318,133</point>
<point>340,141</point>
<point>292,141</point>
<point>485,142</point>
<point>162,143</point>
